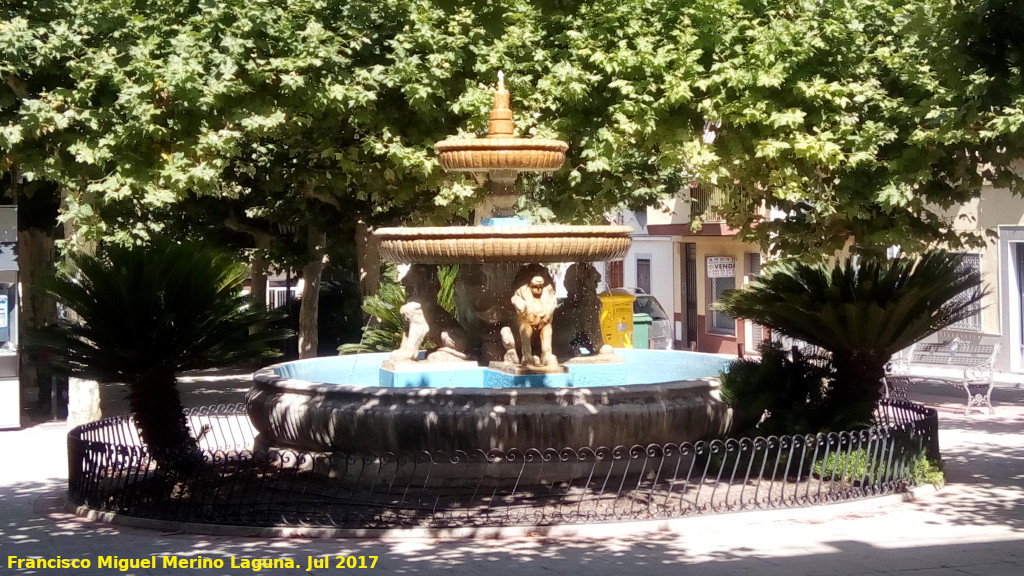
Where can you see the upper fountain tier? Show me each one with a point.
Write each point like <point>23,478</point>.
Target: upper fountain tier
<point>500,157</point>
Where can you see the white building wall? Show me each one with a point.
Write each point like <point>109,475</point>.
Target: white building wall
<point>1000,216</point>
<point>658,249</point>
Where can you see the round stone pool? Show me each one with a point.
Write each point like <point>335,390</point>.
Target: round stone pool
<point>351,404</point>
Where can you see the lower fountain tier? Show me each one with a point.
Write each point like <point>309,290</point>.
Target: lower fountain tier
<point>497,244</point>
<point>317,417</point>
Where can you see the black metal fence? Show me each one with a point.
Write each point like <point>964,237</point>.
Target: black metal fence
<point>110,470</point>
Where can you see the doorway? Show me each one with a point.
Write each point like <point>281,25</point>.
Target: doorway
<point>691,294</point>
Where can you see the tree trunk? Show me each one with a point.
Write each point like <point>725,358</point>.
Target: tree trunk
<point>856,390</point>
<point>36,260</point>
<point>309,309</point>
<point>160,419</point>
<point>83,402</point>
<point>368,259</point>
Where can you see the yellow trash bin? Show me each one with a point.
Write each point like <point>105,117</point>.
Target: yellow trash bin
<point>617,317</point>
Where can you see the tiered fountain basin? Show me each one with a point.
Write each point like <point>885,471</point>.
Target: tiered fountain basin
<point>497,153</point>
<point>348,404</point>
<point>503,244</point>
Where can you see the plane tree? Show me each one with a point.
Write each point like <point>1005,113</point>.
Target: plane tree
<point>860,121</point>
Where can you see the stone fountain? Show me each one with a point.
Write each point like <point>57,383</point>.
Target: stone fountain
<point>506,297</point>
<point>510,369</point>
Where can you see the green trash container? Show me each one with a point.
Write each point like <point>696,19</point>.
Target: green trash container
<point>641,330</point>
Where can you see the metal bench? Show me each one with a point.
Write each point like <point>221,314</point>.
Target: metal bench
<point>976,360</point>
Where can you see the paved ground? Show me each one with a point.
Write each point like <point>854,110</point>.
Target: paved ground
<point>972,526</point>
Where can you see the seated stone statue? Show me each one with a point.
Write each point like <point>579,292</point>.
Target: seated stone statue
<point>535,303</point>
<point>578,321</point>
<point>425,318</point>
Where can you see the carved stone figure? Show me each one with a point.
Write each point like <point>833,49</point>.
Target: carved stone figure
<point>535,303</point>
<point>508,340</point>
<point>483,307</point>
<point>578,321</point>
<point>427,319</point>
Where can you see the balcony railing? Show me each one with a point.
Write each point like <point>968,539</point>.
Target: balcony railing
<point>708,202</point>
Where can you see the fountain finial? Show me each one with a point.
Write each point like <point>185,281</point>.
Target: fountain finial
<point>501,125</point>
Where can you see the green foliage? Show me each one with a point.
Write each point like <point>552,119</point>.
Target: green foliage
<point>848,466</point>
<point>925,471</point>
<point>875,306</point>
<point>146,313</point>
<point>854,466</point>
<point>858,119</point>
<point>778,395</point>
<point>157,309</point>
<point>862,314</point>
<point>447,275</point>
<point>384,333</point>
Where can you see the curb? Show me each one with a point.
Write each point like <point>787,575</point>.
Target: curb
<point>597,530</point>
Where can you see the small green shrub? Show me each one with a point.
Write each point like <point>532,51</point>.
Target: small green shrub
<point>146,313</point>
<point>925,471</point>
<point>852,466</point>
<point>384,332</point>
<point>862,311</point>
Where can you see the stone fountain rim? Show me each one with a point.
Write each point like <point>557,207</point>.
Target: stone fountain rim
<point>533,231</point>
<point>511,144</point>
<point>506,244</point>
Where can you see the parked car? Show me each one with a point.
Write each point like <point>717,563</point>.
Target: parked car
<point>659,335</point>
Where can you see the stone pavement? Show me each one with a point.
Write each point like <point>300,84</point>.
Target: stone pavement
<point>972,526</point>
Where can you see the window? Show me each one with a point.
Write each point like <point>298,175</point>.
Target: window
<point>753,260</point>
<point>971,264</point>
<point>721,271</point>
<point>643,274</point>
<point>720,322</point>
<point>615,274</point>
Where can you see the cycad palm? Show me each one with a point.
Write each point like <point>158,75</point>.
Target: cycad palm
<point>147,313</point>
<point>862,314</point>
<point>385,333</point>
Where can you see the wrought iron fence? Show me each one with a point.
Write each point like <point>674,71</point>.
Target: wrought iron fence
<point>110,470</point>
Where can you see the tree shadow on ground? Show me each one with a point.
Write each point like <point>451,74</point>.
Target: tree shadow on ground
<point>970,527</point>
<point>729,547</point>
<point>983,457</point>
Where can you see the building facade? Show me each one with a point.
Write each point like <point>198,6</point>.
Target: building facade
<point>999,217</point>
<point>688,270</point>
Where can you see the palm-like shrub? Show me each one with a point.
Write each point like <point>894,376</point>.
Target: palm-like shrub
<point>778,394</point>
<point>384,333</point>
<point>146,313</point>
<point>862,314</point>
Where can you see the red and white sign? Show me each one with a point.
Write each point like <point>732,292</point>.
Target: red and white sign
<point>721,267</point>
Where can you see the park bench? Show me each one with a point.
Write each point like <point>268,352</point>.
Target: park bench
<point>976,360</point>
